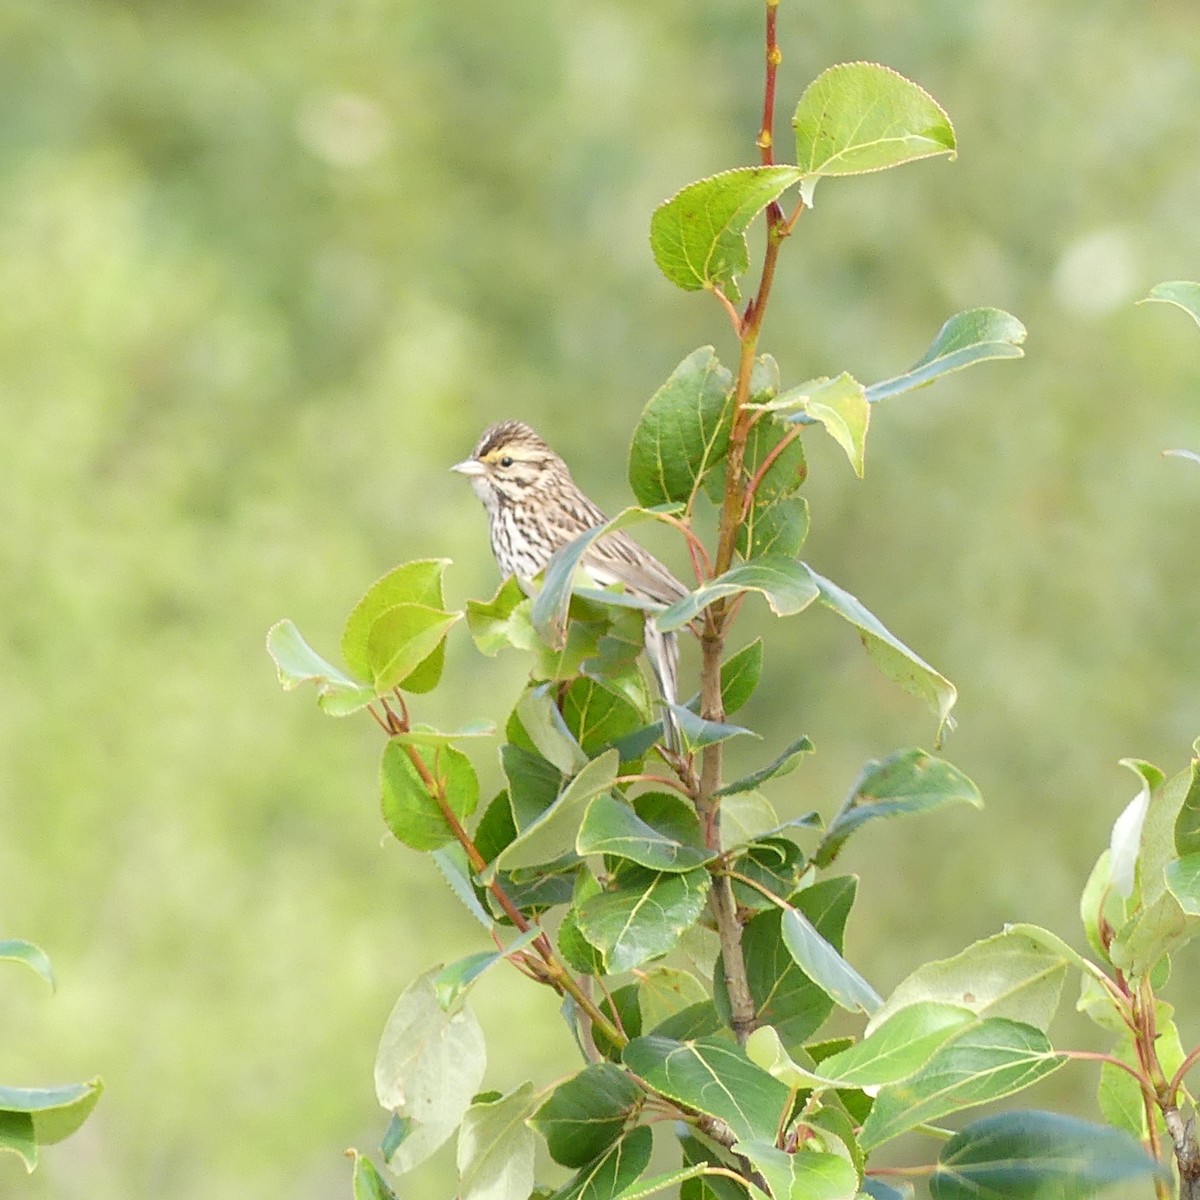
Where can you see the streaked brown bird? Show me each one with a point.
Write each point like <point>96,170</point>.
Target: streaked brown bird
<point>535,508</point>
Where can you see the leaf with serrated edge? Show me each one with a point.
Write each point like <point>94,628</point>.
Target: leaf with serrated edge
<point>698,236</point>
<point>860,117</point>
<point>892,656</point>
<point>683,431</point>
<point>409,810</point>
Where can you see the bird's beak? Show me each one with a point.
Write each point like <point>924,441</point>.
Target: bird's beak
<point>469,466</point>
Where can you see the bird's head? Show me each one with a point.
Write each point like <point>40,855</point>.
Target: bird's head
<point>510,463</point>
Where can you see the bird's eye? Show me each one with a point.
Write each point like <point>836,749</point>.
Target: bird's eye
<point>506,461</point>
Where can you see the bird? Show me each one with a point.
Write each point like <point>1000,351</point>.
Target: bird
<point>535,508</point>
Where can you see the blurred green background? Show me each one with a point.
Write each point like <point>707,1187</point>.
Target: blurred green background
<point>267,269</point>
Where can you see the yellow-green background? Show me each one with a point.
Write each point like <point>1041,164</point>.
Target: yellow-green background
<point>265,271</point>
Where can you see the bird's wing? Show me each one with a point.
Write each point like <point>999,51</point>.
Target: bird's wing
<point>617,558</point>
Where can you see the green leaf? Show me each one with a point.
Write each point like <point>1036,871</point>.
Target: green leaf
<point>698,237</point>
<point>891,655</point>
<point>807,1174</point>
<point>1183,880</point>
<point>985,1062</point>
<point>740,674</point>
<point>1179,292</point>
<point>368,1183</point>
<point>858,117</point>
<point>34,957</point>
<point>598,715</point>
<point>746,817</point>
<point>899,1046</point>
<point>496,623</point>
<point>297,662</point>
<point>1038,1156</point>
<point>825,966</point>
<point>784,996</point>
<point>712,1077</point>
<point>406,647</point>
<point>409,810</point>
<point>788,586</point>
<point>451,861</point>
<point>777,529</point>
<point>977,335</point>
<point>665,992</point>
<point>658,1183</point>
<point>1157,925</point>
<point>908,781</point>
<point>33,1117</point>
<point>776,864</point>
<point>547,732</point>
<point>840,404</point>
<point>398,627</point>
<point>1187,823</point>
<point>614,1171</point>
<point>534,784</point>
<point>698,732</point>
<point>1127,829</point>
<point>642,915</point>
<point>1010,974</point>
<point>496,1148</point>
<point>683,432</point>
<point>453,982</point>
<point>552,604</point>
<point>17,1137</point>
<point>611,826</point>
<point>777,521</point>
<point>553,833</point>
<point>785,764</point>
<point>429,1066</point>
<point>583,1117</point>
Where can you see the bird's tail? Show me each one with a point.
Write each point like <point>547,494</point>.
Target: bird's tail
<point>662,651</point>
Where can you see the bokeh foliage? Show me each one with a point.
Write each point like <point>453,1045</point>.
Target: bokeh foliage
<point>265,273</point>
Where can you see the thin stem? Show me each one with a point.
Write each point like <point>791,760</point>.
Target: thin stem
<point>557,975</point>
<point>1184,1067</point>
<point>1113,1061</point>
<point>735,317</point>
<point>766,464</point>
